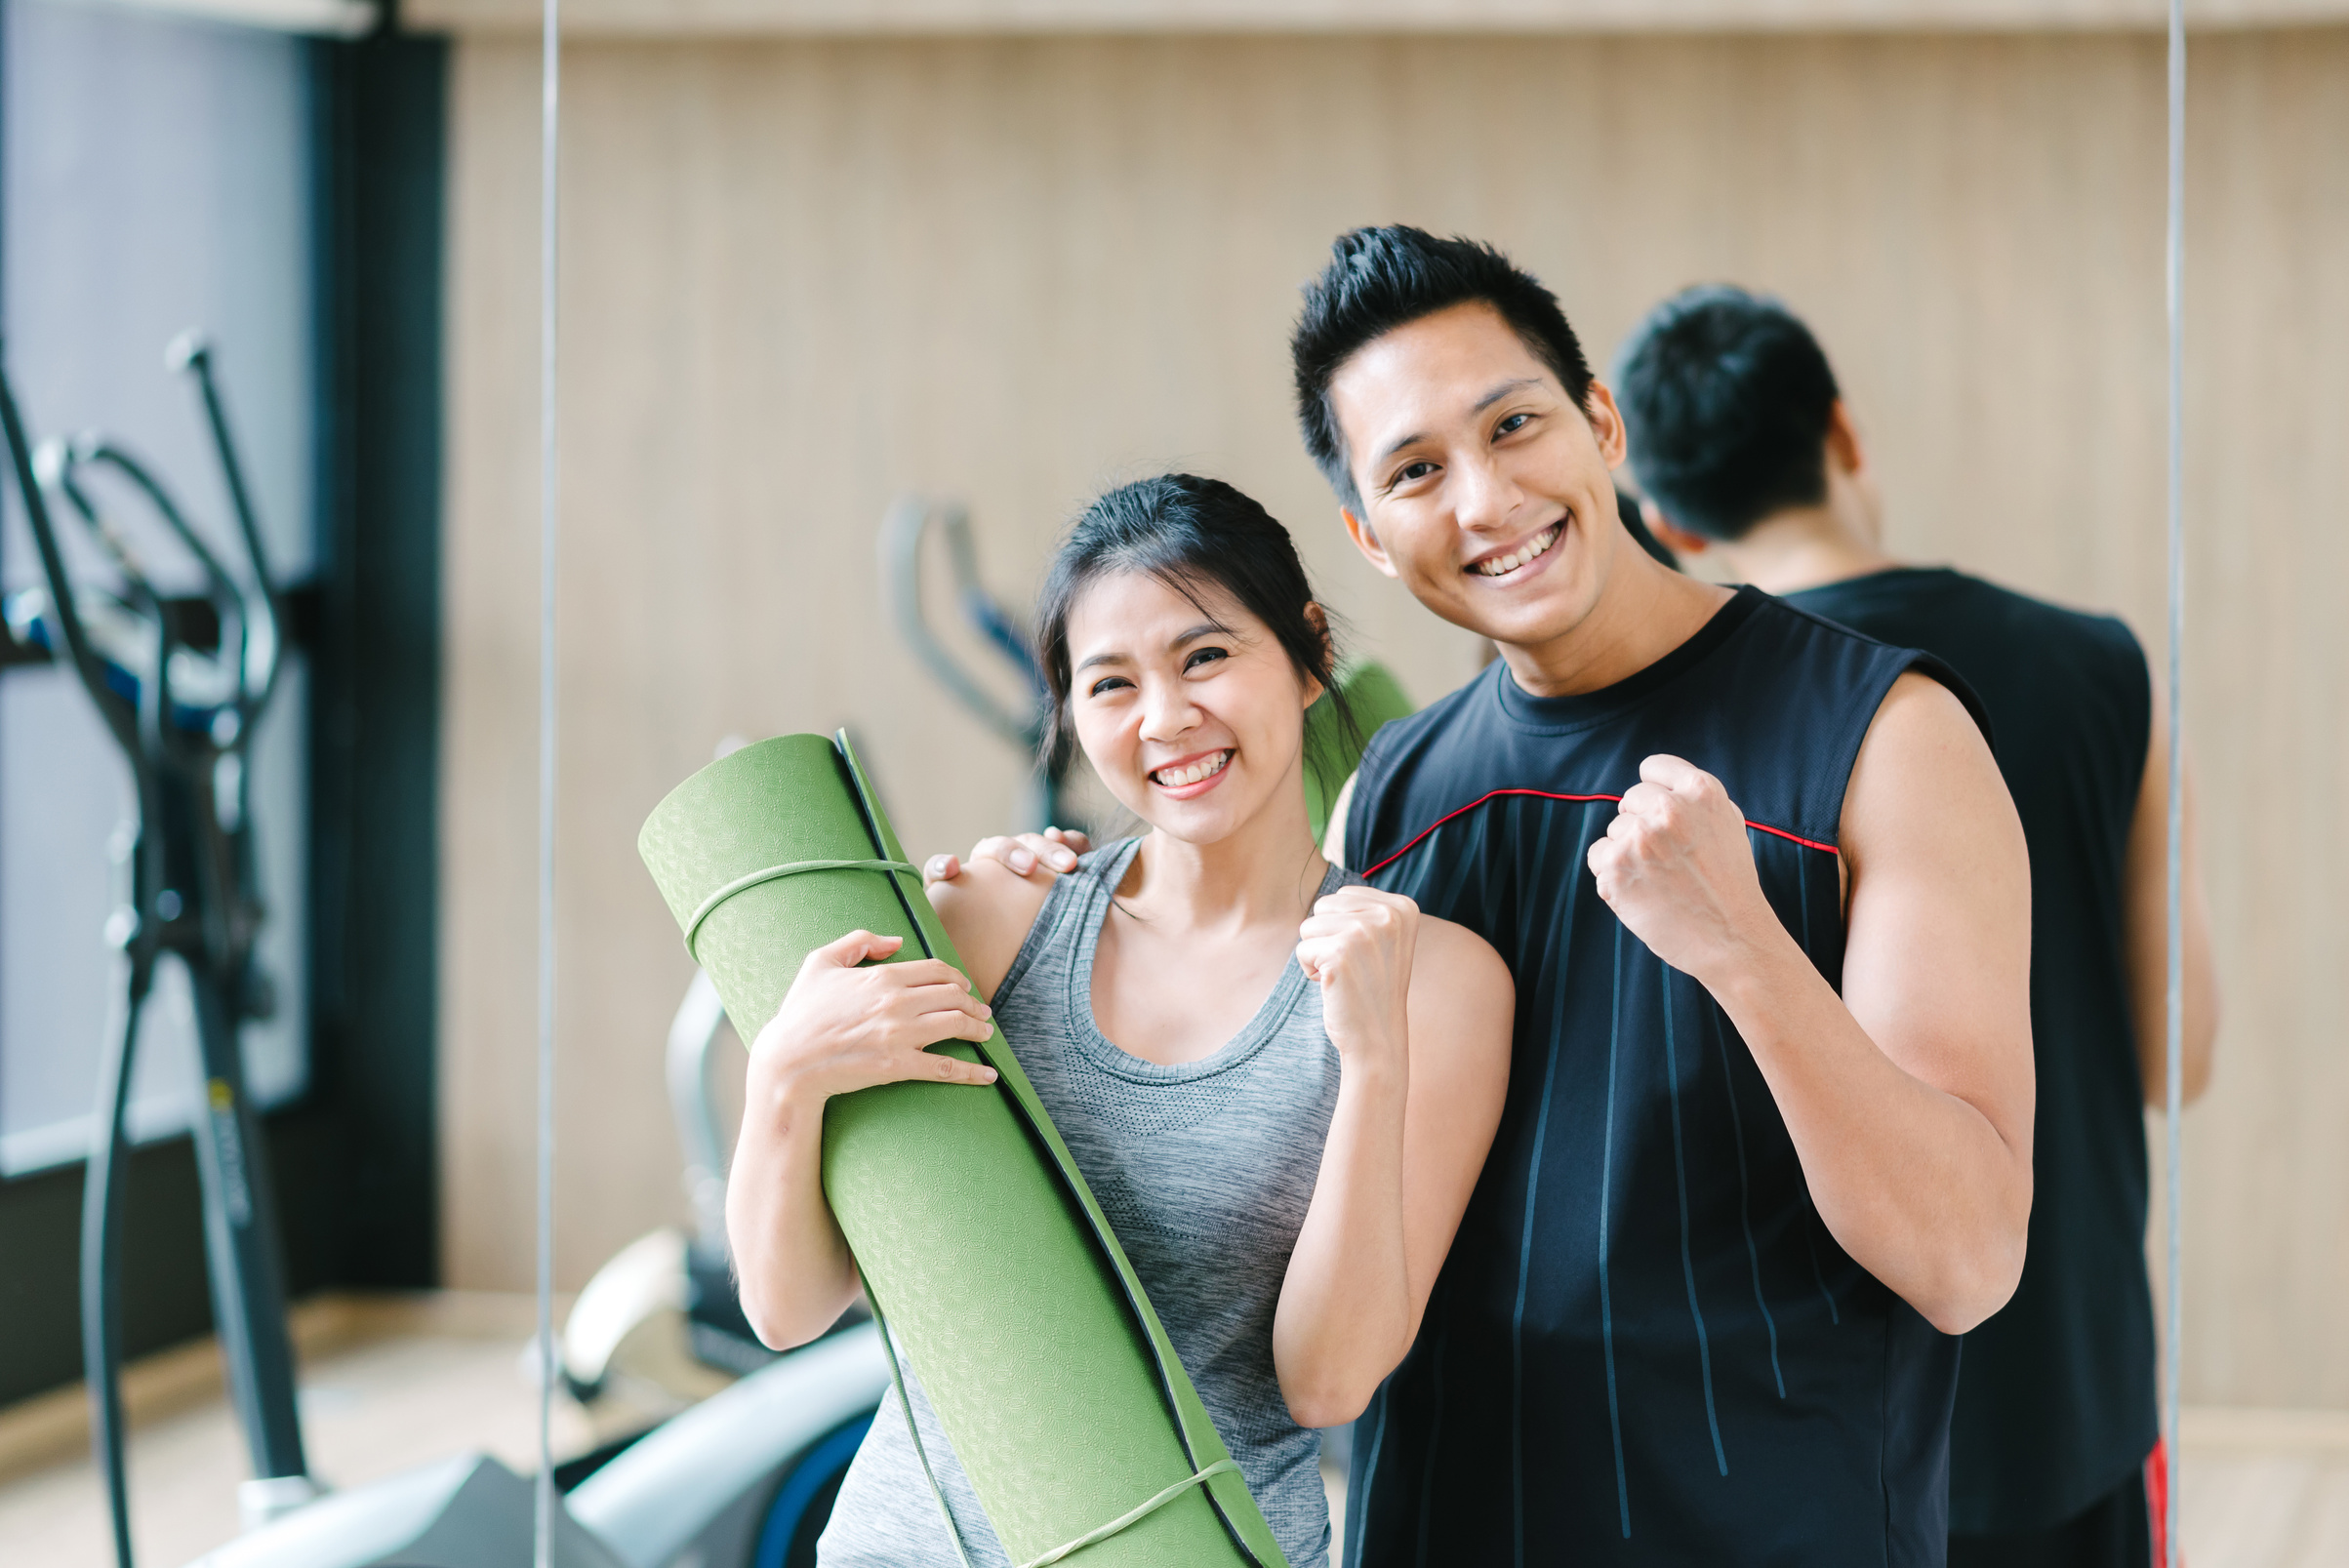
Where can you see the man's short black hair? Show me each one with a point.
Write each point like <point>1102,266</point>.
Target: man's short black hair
<point>1725,396</point>
<point>1379,279</point>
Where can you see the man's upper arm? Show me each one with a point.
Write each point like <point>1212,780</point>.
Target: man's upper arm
<point>2145,928</point>
<point>1938,956</point>
<point>1333,837</point>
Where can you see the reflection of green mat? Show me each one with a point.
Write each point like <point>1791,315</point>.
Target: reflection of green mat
<point>1372,698</point>
<point>997,1273</point>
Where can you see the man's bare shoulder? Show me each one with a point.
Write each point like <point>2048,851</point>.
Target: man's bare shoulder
<point>1452,963</point>
<point>1919,727</point>
<point>1925,778</point>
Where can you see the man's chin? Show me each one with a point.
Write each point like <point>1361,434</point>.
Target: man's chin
<point>1528,620</point>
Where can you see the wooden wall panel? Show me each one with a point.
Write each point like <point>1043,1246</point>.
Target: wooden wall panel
<point>802,277</point>
<point>673,19</point>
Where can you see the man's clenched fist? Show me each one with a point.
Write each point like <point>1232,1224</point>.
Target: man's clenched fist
<point>1676,869</point>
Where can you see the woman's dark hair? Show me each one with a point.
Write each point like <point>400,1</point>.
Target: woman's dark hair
<point>1194,535</point>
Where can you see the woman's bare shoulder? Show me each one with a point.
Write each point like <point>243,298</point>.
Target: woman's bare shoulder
<point>987,910</point>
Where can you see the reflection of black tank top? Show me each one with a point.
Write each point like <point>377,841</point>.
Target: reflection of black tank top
<point>1645,1348</point>
<point>2055,1407</point>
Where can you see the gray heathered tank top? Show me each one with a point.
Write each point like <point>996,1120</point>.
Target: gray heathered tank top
<point>1204,1171</point>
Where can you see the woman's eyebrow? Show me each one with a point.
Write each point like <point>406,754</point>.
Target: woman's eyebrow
<point>1206,629</point>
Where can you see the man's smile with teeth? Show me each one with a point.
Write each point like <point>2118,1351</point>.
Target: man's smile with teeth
<point>1503,565</point>
<point>1190,773</point>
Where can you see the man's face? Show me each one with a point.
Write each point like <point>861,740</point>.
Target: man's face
<point>1485,491</point>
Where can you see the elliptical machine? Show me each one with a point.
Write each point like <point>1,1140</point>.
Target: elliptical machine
<point>744,1479</point>
<point>187,887</point>
<point>902,530</point>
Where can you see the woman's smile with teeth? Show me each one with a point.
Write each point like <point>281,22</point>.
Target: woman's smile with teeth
<point>1503,565</point>
<point>1190,773</point>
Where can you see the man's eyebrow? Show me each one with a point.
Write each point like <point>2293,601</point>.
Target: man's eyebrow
<point>1397,444</point>
<point>1483,403</point>
<point>1504,389</point>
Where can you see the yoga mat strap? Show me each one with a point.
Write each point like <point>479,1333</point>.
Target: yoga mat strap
<point>1125,1520</point>
<point>897,1380</point>
<point>945,1510</point>
<point>1133,1515</point>
<point>741,884</point>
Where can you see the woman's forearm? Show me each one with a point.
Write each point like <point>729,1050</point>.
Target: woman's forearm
<point>1345,1318</point>
<point>792,1266</point>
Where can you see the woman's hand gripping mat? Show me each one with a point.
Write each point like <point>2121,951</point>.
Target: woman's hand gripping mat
<point>980,1243</point>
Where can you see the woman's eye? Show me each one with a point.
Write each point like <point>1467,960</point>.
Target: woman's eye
<point>1107,684</point>
<point>1203,656</point>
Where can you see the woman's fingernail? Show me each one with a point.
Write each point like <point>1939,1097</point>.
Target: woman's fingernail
<point>1023,863</point>
<point>1065,861</point>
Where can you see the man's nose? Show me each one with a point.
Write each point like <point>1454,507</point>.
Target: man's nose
<point>1486,497</point>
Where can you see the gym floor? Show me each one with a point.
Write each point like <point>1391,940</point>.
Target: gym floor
<point>393,1383</point>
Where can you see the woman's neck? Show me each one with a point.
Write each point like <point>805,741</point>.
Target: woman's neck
<point>1266,872</point>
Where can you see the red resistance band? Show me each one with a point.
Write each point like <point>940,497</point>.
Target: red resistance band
<point>1544,795</point>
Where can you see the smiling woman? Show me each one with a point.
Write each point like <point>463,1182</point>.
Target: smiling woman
<point>1226,1030</point>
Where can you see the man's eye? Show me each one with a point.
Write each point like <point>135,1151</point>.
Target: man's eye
<point>1413,471</point>
<point>1512,425</point>
<point>1203,656</point>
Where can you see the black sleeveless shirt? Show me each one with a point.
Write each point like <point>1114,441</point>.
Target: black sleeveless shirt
<point>2055,1405</point>
<point>1645,1348</point>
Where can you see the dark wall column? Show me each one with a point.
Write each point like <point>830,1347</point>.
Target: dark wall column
<point>381,109</point>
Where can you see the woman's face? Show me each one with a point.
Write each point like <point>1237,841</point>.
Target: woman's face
<point>1192,717</point>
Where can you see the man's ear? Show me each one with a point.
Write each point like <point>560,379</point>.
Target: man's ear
<point>1607,423</point>
<point>1366,541</point>
<point>1843,449</point>
<point>1678,540</point>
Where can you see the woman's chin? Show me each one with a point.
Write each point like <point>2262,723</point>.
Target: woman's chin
<point>1202,819</point>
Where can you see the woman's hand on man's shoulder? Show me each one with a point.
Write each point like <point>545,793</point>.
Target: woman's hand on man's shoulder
<point>1042,856</point>
<point>986,905</point>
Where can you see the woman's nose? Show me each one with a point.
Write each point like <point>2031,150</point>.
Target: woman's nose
<point>1167,711</point>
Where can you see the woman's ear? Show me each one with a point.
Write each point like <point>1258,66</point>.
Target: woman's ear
<point>1318,619</point>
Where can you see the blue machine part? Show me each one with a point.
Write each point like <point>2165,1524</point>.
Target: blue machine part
<point>202,687</point>
<point>815,1479</point>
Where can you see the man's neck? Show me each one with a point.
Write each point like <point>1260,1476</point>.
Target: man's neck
<point>1801,547</point>
<point>1643,612</point>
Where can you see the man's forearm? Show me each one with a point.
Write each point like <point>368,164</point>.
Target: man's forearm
<point>1916,1184</point>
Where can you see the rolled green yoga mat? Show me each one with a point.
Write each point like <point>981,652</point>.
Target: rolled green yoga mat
<point>980,1244</point>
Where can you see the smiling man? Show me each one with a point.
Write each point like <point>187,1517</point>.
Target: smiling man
<point>1768,1140</point>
